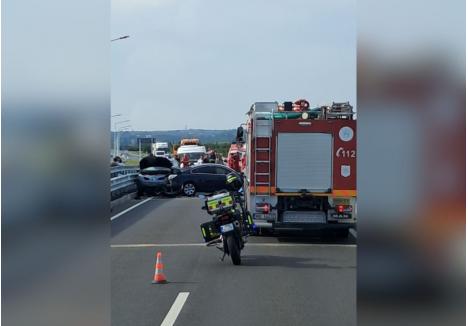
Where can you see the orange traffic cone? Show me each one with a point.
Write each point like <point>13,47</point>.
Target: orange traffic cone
<point>159,277</point>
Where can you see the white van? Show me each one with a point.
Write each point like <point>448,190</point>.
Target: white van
<point>193,151</point>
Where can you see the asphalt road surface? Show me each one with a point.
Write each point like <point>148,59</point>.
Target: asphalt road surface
<point>282,281</point>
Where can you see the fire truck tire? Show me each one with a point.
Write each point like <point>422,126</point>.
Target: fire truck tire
<point>189,189</point>
<point>342,234</point>
<point>264,232</point>
<point>255,232</point>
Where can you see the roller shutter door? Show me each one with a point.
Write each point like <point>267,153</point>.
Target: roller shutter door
<point>304,161</point>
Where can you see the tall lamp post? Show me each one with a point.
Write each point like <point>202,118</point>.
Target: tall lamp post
<point>118,137</point>
<point>117,115</point>
<point>116,133</point>
<point>113,138</point>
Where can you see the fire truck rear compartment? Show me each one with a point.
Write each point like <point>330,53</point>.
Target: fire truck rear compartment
<point>302,209</point>
<point>306,213</point>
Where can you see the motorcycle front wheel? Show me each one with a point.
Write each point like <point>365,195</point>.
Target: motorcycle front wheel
<point>234,250</point>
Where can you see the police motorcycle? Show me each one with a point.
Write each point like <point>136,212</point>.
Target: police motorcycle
<point>231,223</point>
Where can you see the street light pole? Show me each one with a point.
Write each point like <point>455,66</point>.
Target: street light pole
<point>139,149</point>
<point>117,147</point>
<point>118,137</point>
<point>117,115</point>
<point>116,134</point>
<point>114,138</point>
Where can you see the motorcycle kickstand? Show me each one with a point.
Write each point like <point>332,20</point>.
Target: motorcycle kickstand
<point>224,255</point>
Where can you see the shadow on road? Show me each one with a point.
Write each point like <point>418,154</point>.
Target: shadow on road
<point>316,239</point>
<point>304,238</point>
<point>291,262</point>
<point>132,217</point>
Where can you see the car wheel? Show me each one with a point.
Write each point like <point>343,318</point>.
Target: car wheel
<point>189,189</point>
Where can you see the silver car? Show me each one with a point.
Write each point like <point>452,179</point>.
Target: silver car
<point>154,180</point>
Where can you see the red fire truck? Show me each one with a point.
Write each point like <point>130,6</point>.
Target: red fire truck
<point>301,166</point>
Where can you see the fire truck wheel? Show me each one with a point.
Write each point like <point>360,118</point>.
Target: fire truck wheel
<point>189,189</point>
<point>255,232</point>
<point>341,234</point>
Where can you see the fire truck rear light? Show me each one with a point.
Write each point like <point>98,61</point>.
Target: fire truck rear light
<point>263,208</point>
<point>344,208</point>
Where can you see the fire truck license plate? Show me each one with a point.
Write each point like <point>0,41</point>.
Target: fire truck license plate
<point>341,216</point>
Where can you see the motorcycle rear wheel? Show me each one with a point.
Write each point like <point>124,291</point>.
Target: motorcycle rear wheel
<point>234,250</point>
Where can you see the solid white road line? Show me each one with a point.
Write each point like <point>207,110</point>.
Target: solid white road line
<point>130,208</point>
<point>173,313</point>
<point>299,245</point>
<point>153,245</point>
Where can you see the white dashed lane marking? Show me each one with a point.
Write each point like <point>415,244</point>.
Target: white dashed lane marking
<point>130,208</point>
<point>173,313</point>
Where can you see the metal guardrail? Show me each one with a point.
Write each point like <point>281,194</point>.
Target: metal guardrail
<point>122,178</point>
<point>122,170</point>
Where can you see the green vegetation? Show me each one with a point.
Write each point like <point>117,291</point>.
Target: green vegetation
<point>129,139</point>
<point>145,148</point>
<point>222,147</point>
<point>132,162</point>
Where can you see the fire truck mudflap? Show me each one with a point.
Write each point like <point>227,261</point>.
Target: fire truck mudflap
<point>301,166</point>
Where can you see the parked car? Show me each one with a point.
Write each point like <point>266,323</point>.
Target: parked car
<point>202,178</point>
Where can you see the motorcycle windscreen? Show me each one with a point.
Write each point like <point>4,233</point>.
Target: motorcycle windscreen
<point>304,162</point>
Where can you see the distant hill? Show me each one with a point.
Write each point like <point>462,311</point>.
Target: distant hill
<point>130,138</point>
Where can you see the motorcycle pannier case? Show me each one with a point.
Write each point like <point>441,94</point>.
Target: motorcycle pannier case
<point>219,202</point>
<point>209,231</point>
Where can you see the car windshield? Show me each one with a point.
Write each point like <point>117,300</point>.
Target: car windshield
<point>192,156</point>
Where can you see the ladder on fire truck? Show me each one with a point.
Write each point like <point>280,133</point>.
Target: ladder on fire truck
<point>262,132</point>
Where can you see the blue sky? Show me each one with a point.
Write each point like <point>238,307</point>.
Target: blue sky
<point>202,63</point>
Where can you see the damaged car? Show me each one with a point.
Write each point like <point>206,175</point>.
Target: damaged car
<point>154,178</point>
